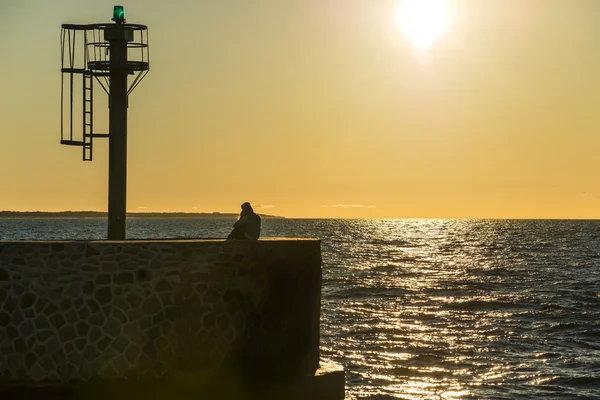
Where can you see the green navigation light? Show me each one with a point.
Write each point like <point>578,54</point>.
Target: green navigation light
<point>118,13</point>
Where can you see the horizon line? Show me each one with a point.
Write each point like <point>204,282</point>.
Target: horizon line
<point>284,217</point>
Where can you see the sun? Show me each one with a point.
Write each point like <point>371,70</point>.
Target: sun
<point>423,21</point>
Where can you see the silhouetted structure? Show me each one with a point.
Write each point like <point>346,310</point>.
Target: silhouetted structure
<point>103,57</point>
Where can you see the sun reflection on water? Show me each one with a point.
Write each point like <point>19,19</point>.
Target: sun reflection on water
<point>437,309</point>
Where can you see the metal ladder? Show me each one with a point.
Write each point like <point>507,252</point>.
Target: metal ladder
<point>88,115</point>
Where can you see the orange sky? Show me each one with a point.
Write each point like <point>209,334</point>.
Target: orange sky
<point>320,108</point>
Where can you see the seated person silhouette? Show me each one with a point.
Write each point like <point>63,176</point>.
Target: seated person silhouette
<point>247,226</point>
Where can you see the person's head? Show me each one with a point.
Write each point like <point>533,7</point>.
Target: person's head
<point>247,208</point>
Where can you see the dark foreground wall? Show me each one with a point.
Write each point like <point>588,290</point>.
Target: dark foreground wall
<point>72,311</point>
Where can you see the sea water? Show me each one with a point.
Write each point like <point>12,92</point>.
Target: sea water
<point>433,309</point>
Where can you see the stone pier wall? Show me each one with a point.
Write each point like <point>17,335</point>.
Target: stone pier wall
<point>76,310</point>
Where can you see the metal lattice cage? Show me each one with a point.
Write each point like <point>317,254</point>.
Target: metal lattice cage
<point>85,59</point>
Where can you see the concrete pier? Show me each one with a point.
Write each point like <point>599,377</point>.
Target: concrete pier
<point>165,314</point>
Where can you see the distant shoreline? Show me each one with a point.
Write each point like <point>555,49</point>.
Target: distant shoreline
<point>103,214</point>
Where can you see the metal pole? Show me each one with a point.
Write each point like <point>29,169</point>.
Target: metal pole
<point>117,142</point>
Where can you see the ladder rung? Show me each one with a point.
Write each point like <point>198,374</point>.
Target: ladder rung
<point>72,142</point>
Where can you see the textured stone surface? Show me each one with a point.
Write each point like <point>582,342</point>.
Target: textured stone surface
<point>142,309</point>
